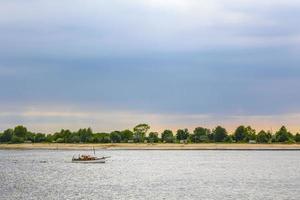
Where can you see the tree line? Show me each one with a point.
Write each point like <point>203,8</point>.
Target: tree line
<point>139,134</point>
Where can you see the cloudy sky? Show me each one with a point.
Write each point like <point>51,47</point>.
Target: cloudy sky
<point>173,64</point>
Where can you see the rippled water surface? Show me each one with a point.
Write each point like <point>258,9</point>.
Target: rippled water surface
<point>43,174</point>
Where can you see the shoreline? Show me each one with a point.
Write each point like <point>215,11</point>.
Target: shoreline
<point>159,146</point>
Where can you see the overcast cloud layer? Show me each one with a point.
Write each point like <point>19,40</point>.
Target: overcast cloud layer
<point>180,63</point>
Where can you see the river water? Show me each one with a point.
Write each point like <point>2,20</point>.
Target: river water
<point>45,174</point>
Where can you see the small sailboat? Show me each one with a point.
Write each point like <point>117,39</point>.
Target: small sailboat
<point>88,158</point>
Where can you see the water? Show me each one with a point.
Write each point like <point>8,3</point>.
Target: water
<point>43,174</point>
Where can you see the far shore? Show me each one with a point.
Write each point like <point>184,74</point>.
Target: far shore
<point>157,146</point>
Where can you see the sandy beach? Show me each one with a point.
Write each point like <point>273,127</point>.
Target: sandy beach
<point>132,146</point>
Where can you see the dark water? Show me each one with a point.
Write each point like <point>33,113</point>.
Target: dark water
<point>41,174</point>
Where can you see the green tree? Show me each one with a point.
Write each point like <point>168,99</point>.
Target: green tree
<point>140,131</point>
<point>126,135</point>
<point>49,138</point>
<point>7,135</point>
<point>211,136</point>
<point>115,137</point>
<point>283,135</point>
<point>229,139</point>
<point>86,135</point>
<point>297,137</point>
<point>63,134</point>
<point>200,135</point>
<point>57,135</point>
<point>102,138</point>
<point>182,134</point>
<point>74,138</point>
<point>153,137</point>
<point>39,137</point>
<point>244,134</point>
<point>67,135</point>
<point>250,133</point>
<point>167,136</point>
<point>220,134</point>
<point>264,137</point>
<point>240,133</point>
<point>20,131</point>
<point>16,139</point>
<point>29,136</point>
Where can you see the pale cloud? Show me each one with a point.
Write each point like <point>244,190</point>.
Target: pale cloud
<point>41,119</point>
<point>172,63</point>
<point>129,26</point>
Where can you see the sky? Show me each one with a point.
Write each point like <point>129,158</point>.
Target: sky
<point>110,65</point>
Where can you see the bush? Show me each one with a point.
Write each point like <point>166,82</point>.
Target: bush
<point>16,139</point>
<point>60,140</point>
<point>228,139</point>
<point>75,139</point>
<point>290,141</point>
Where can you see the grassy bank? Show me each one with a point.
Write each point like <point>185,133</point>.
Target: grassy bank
<point>159,146</point>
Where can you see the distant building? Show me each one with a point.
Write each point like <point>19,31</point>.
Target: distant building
<point>252,141</point>
<point>183,141</point>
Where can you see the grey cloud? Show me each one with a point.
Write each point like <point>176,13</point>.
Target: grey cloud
<point>184,57</point>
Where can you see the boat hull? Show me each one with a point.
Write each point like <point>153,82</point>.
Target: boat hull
<point>89,161</point>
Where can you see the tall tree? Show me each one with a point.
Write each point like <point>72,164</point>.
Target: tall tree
<point>264,137</point>
<point>240,133</point>
<point>140,131</point>
<point>220,134</point>
<point>39,137</point>
<point>20,131</point>
<point>7,135</point>
<point>86,135</point>
<point>200,135</point>
<point>102,137</point>
<point>167,136</point>
<point>250,134</point>
<point>30,136</point>
<point>244,134</point>
<point>283,135</point>
<point>126,135</point>
<point>297,137</point>
<point>153,137</point>
<point>182,134</point>
<point>115,136</point>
